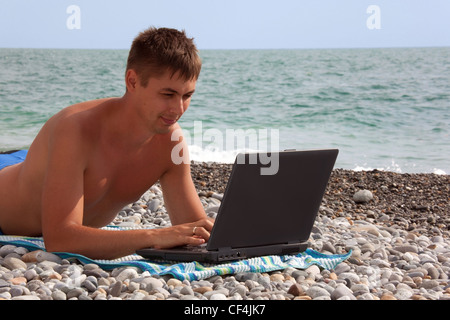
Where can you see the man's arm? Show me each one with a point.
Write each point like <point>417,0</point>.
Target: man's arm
<point>63,206</point>
<point>181,199</point>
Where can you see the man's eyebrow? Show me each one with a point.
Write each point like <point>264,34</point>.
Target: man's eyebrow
<point>175,91</point>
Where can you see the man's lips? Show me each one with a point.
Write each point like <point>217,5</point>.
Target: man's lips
<point>168,121</point>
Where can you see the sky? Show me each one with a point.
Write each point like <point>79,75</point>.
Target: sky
<point>227,24</point>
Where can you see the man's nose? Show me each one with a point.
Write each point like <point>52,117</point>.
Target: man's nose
<point>178,106</point>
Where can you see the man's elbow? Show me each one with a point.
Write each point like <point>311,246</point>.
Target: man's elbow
<point>53,245</point>
<point>59,241</point>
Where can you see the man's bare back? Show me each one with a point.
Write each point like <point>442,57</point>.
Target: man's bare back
<point>93,158</point>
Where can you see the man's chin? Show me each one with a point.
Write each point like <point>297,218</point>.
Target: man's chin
<point>164,129</point>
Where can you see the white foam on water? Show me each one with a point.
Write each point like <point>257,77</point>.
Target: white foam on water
<point>439,171</point>
<point>208,154</point>
<point>397,168</point>
<point>394,167</point>
<point>200,154</point>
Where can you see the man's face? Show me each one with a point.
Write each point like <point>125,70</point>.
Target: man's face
<point>164,100</point>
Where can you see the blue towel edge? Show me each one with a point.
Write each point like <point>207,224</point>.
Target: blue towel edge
<point>170,268</point>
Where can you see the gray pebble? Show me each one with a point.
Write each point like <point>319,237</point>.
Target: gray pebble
<point>362,196</point>
<point>403,294</point>
<point>246,276</point>
<point>239,289</point>
<point>7,249</point>
<point>13,263</point>
<point>126,274</point>
<point>16,291</point>
<point>342,291</point>
<point>187,290</point>
<point>4,283</point>
<point>316,291</point>
<point>116,288</point>
<point>406,248</point>
<point>5,295</point>
<point>218,296</point>
<point>89,285</point>
<point>47,256</point>
<point>429,284</point>
<point>151,283</point>
<point>154,205</point>
<point>74,293</point>
<point>59,295</point>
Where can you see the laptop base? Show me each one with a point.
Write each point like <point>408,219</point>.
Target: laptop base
<point>223,255</point>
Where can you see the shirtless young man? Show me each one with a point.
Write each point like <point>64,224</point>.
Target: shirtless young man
<point>93,158</point>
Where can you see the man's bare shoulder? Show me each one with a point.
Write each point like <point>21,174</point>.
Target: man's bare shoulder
<point>74,127</point>
<point>80,111</point>
<point>78,118</point>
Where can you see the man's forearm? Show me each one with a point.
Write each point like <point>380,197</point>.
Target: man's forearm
<point>98,243</point>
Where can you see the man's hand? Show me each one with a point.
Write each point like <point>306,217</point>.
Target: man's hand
<point>194,233</point>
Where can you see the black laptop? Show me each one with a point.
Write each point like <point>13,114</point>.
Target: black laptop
<point>268,208</point>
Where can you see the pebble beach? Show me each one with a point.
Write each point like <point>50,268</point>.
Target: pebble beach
<point>396,225</point>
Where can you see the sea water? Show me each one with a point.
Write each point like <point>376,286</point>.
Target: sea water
<point>383,109</point>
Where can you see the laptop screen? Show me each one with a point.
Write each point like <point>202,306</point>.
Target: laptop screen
<point>265,209</point>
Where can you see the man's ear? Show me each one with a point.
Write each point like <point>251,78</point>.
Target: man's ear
<point>131,80</point>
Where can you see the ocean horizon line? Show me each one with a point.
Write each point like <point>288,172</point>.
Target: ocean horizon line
<point>244,49</point>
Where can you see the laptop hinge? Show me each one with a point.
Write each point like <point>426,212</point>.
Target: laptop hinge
<point>224,249</point>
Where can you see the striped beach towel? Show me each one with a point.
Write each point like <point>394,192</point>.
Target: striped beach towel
<point>193,270</point>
